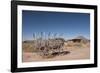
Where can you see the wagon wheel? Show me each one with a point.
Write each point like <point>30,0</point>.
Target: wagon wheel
<point>47,53</point>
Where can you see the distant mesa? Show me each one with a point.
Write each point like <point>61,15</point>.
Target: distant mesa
<point>79,39</point>
<point>28,41</point>
<point>76,39</point>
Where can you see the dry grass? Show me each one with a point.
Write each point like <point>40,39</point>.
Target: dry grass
<point>77,51</point>
<point>28,47</point>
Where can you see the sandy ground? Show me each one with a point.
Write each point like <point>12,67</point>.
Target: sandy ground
<point>75,54</point>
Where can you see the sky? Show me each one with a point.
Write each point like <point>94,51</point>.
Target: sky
<point>69,24</point>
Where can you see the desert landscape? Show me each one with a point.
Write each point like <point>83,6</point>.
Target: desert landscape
<point>56,49</point>
<point>55,36</point>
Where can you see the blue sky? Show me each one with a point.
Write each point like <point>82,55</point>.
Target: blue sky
<point>70,24</point>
